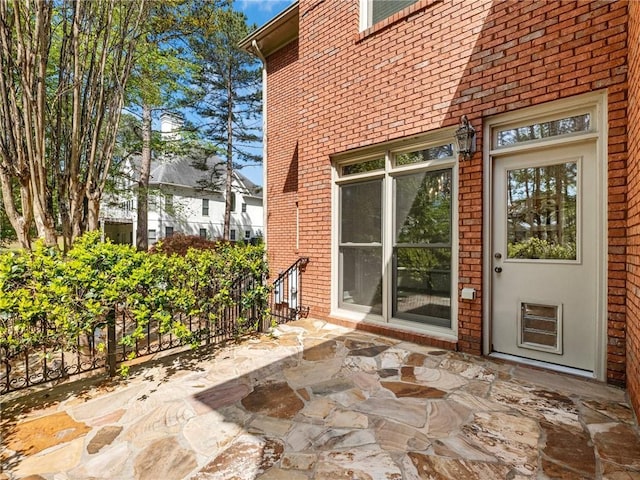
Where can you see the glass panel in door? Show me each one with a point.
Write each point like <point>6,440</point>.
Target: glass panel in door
<point>541,212</point>
<point>422,248</point>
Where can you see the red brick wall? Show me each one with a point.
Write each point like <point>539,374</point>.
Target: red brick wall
<point>633,224</point>
<point>282,156</point>
<point>421,72</point>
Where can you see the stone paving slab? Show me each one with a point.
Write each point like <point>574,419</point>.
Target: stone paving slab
<point>318,401</point>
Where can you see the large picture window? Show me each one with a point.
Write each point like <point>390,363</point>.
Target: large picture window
<point>396,235</point>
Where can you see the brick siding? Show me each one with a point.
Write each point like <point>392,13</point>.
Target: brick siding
<point>282,156</point>
<point>633,222</point>
<point>420,72</point>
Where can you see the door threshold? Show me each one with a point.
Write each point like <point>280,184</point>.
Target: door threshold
<point>547,366</point>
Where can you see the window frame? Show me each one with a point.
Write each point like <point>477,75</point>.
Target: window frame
<point>205,207</point>
<point>152,201</point>
<point>389,150</point>
<point>366,14</point>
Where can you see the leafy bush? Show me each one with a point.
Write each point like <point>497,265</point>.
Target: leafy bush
<point>180,244</point>
<point>538,248</point>
<point>49,300</point>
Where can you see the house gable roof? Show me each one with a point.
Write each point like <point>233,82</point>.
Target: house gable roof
<point>199,174</point>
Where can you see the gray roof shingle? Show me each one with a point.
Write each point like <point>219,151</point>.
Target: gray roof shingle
<point>202,174</point>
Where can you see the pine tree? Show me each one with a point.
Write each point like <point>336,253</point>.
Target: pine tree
<point>228,92</point>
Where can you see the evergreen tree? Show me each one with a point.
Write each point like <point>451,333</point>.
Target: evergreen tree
<point>228,92</point>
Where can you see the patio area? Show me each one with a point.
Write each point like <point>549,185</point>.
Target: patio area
<point>318,401</point>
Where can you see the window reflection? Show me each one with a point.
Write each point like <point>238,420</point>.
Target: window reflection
<point>423,285</point>
<point>537,131</point>
<point>542,212</point>
<point>423,208</point>
<point>433,153</point>
<point>422,252</point>
<point>362,167</point>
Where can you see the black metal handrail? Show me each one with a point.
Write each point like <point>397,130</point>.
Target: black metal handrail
<point>286,294</point>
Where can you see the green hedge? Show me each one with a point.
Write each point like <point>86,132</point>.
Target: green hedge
<point>541,249</point>
<point>48,299</point>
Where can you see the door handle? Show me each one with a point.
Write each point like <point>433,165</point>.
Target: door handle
<point>497,269</point>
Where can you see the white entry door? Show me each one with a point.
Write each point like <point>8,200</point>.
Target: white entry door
<point>544,255</point>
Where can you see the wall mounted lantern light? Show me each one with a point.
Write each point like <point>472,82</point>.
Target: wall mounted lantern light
<point>466,138</point>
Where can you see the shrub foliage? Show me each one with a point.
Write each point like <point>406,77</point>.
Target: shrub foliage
<point>539,248</point>
<point>180,244</point>
<point>48,300</point>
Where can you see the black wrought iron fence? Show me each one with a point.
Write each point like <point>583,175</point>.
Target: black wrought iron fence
<point>112,341</point>
<point>33,366</point>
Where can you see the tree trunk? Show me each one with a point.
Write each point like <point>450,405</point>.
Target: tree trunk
<point>75,210</point>
<point>41,190</point>
<point>229,170</point>
<point>69,134</point>
<point>142,232</point>
<point>41,196</point>
<point>93,213</point>
<point>19,222</point>
<point>44,226</point>
<point>25,40</point>
<point>63,208</point>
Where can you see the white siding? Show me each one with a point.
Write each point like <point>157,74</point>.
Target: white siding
<point>186,215</point>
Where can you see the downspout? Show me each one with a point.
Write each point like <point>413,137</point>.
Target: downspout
<point>259,54</point>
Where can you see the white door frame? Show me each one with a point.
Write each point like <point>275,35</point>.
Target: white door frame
<point>596,103</point>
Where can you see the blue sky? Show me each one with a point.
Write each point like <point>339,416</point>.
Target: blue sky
<point>259,12</point>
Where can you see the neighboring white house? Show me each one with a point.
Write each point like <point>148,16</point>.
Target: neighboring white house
<point>185,196</point>
<point>182,200</point>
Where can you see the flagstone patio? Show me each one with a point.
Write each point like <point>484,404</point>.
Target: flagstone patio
<point>317,401</point>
